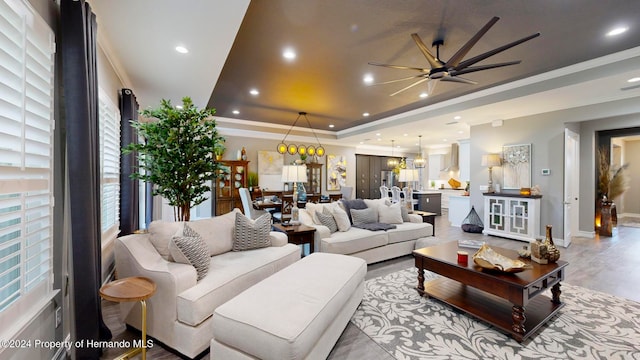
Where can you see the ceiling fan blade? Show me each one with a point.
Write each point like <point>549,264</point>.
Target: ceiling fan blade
<point>401,67</point>
<point>431,86</point>
<point>398,80</point>
<point>458,79</point>
<point>481,57</point>
<point>425,51</point>
<point>482,67</point>
<point>462,52</point>
<point>410,86</point>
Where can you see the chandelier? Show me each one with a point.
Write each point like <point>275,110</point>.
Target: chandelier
<point>419,161</point>
<point>301,149</point>
<point>392,162</point>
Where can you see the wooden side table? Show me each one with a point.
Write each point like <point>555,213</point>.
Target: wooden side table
<point>428,217</point>
<point>132,289</point>
<point>298,234</point>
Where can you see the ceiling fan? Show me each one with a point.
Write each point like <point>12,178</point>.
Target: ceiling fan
<point>455,66</point>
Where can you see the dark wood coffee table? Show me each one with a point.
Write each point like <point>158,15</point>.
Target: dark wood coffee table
<point>510,302</point>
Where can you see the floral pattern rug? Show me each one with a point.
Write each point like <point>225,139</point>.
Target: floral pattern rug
<point>592,325</point>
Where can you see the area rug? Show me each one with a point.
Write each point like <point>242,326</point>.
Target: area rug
<point>592,325</point>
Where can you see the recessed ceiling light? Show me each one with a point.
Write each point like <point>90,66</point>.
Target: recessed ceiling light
<point>457,117</point>
<point>236,112</point>
<point>365,114</point>
<point>331,125</point>
<point>460,132</point>
<point>178,106</point>
<point>635,79</point>
<point>378,139</point>
<point>444,139</point>
<point>368,79</point>
<point>361,142</point>
<point>182,49</point>
<point>254,92</point>
<point>289,54</point>
<point>405,134</point>
<point>424,95</point>
<point>377,134</point>
<point>617,31</point>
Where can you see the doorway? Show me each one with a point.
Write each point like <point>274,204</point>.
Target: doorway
<point>571,202</point>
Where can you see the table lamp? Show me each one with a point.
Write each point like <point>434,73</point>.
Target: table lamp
<point>491,160</point>
<point>295,174</point>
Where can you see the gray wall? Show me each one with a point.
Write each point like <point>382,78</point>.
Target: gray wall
<point>545,133</point>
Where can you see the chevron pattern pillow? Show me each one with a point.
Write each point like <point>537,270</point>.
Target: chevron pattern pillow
<point>326,218</point>
<point>251,234</point>
<point>192,250</point>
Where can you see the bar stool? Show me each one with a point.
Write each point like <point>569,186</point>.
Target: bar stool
<point>132,289</point>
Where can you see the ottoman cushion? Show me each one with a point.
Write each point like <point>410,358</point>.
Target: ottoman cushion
<point>283,316</point>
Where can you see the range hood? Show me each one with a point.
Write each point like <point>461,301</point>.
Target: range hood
<point>453,160</point>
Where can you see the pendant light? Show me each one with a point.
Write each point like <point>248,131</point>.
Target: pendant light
<point>392,162</point>
<point>302,150</point>
<point>419,161</point>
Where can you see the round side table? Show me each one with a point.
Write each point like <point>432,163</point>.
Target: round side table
<point>132,289</point>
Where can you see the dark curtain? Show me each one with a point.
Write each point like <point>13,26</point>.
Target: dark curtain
<point>129,193</point>
<point>79,79</point>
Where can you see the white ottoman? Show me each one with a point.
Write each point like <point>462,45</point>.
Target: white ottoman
<point>296,313</point>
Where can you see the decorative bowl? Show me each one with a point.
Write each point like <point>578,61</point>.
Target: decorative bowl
<point>489,259</point>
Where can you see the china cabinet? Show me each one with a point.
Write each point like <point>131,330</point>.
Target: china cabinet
<point>234,176</point>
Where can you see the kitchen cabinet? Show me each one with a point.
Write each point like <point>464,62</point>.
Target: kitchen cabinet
<point>436,164</point>
<point>227,194</point>
<point>512,216</point>
<point>428,201</point>
<point>459,207</point>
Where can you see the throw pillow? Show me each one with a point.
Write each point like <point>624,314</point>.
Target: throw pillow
<point>251,234</point>
<point>326,218</point>
<point>405,214</point>
<point>342,219</point>
<point>313,209</point>
<point>160,234</point>
<point>192,250</point>
<point>390,214</point>
<point>305,217</point>
<point>363,216</point>
<point>357,204</point>
<point>217,232</point>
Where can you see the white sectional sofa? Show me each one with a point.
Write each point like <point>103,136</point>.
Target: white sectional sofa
<point>180,312</point>
<point>372,246</point>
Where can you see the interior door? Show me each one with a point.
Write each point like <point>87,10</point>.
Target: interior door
<point>571,184</point>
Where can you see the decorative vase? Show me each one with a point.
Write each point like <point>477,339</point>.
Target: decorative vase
<point>608,218</point>
<point>553,253</point>
<point>302,192</point>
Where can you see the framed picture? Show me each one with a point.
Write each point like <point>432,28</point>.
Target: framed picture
<point>336,172</point>
<point>516,167</point>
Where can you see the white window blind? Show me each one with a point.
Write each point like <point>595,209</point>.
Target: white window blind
<point>26,161</point>
<point>110,166</point>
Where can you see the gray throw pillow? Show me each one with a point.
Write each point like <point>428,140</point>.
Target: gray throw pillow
<point>326,219</point>
<point>357,204</point>
<point>405,214</point>
<point>364,216</point>
<point>251,234</point>
<point>192,250</point>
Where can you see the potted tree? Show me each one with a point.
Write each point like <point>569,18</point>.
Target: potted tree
<point>177,153</point>
<point>252,180</point>
<point>612,182</point>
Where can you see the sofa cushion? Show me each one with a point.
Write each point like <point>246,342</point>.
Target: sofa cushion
<point>161,232</point>
<point>375,203</point>
<point>230,274</point>
<point>364,216</point>
<point>391,214</point>
<point>251,234</point>
<point>353,241</point>
<point>405,214</point>
<point>357,204</point>
<point>326,218</point>
<point>342,219</point>
<point>189,248</point>
<point>217,232</point>
<point>409,231</point>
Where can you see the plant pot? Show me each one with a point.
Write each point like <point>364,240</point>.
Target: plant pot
<point>218,157</point>
<point>608,218</point>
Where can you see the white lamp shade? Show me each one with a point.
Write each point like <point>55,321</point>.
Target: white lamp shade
<point>408,175</point>
<point>491,160</point>
<point>294,173</point>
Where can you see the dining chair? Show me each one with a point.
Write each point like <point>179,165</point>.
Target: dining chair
<point>384,192</point>
<point>395,194</point>
<point>247,204</point>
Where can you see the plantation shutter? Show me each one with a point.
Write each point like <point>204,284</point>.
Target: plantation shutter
<point>26,162</point>
<point>109,165</point>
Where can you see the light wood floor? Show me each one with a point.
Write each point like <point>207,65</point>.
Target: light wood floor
<point>608,264</point>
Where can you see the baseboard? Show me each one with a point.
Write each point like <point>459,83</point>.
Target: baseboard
<point>587,234</point>
<point>629,215</point>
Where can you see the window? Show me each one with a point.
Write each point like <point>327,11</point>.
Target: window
<point>109,166</point>
<point>26,162</point>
